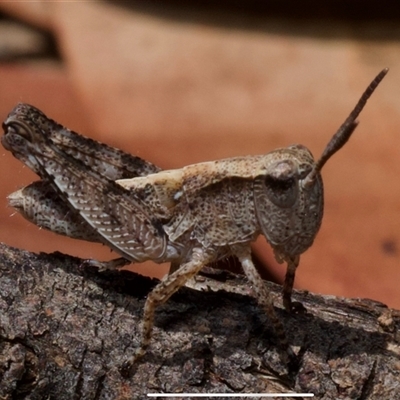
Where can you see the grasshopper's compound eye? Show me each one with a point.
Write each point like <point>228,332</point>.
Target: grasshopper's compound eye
<point>281,184</point>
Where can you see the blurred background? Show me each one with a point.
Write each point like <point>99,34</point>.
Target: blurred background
<point>180,82</point>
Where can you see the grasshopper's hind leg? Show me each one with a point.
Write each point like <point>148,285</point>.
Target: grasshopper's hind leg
<point>40,203</point>
<point>174,266</point>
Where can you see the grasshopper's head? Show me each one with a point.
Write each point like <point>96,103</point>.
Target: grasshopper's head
<point>289,195</point>
<point>289,209</point>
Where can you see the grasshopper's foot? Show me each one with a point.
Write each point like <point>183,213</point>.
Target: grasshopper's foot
<point>293,307</point>
<point>293,361</point>
<point>128,367</point>
<point>106,265</point>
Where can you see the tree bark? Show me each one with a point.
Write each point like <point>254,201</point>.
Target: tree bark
<point>66,330</point>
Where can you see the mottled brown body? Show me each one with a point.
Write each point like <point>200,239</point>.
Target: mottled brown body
<point>230,202</point>
<point>189,216</point>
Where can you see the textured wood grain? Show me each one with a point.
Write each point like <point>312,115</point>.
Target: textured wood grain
<point>65,331</point>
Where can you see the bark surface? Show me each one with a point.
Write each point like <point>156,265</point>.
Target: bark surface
<point>66,330</point>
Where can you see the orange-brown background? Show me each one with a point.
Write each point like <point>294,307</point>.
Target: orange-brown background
<point>179,85</point>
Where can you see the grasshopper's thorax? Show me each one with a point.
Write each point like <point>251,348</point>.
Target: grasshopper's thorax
<point>227,202</point>
<point>289,213</point>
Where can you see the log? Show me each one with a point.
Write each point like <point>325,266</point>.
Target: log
<point>65,331</point>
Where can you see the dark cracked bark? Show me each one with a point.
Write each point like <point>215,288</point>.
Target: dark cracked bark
<point>66,330</point>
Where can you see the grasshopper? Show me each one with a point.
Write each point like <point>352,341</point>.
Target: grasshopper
<point>189,217</point>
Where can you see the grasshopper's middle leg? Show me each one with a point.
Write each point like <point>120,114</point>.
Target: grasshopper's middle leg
<point>265,301</point>
<point>162,292</point>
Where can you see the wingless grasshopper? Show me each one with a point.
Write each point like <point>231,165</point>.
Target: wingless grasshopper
<point>189,217</point>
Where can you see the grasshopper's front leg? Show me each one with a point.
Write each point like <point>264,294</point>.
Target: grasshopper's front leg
<point>292,262</point>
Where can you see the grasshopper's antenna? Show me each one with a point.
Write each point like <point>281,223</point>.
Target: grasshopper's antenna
<point>343,134</point>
